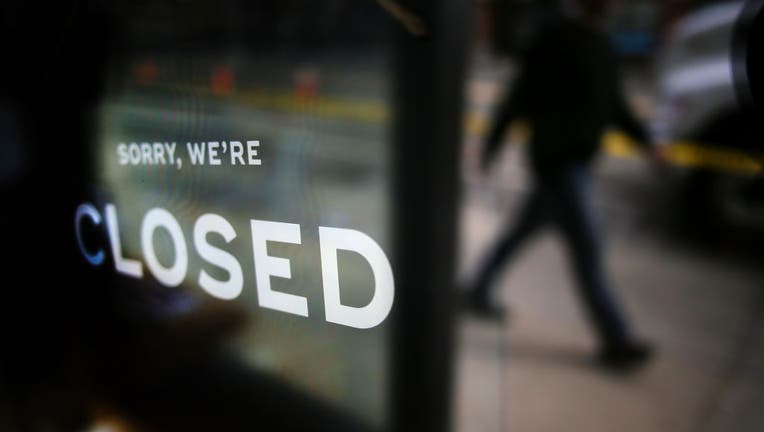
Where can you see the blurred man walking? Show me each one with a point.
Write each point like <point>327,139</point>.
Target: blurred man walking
<point>569,91</point>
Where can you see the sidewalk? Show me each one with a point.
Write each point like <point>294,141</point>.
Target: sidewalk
<point>704,313</point>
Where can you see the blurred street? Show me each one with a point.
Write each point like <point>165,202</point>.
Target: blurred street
<point>702,307</point>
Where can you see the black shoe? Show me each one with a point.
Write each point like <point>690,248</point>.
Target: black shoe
<point>481,308</point>
<point>625,357</point>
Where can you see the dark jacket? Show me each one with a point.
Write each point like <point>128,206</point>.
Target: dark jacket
<point>569,91</point>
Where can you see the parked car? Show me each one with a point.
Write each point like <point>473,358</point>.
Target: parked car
<point>698,104</point>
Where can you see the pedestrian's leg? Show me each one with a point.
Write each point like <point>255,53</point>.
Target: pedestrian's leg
<point>532,216</point>
<point>576,219</point>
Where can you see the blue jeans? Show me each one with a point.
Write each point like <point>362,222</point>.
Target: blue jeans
<point>562,196</point>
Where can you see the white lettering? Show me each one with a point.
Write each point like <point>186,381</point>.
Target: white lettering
<point>267,266</point>
<point>252,153</point>
<point>213,152</point>
<point>231,288</point>
<point>121,264</point>
<point>333,239</point>
<point>122,155</point>
<point>196,152</point>
<point>237,150</point>
<point>168,276</point>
